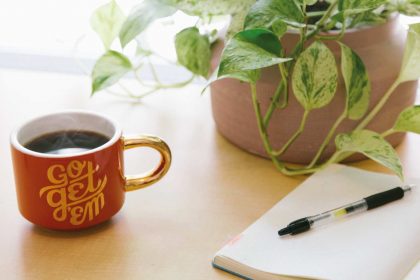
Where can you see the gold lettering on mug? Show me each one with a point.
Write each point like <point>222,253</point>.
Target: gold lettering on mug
<point>73,192</point>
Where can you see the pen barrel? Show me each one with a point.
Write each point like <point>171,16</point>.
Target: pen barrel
<point>385,197</point>
<point>340,212</point>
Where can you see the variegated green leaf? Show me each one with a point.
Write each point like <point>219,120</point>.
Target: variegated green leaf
<point>250,50</point>
<point>107,21</point>
<point>359,4</point>
<point>409,120</point>
<point>310,2</point>
<point>265,12</point>
<point>238,18</point>
<point>193,51</point>
<point>108,69</point>
<point>250,76</point>
<point>366,18</point>
<point>348,8</point>
<point>237,9</point>
<point>279,27</point>
<point>314,78</point>
<point>372,145</point>
<point>210,7</point>
<point>410,69</point>
<point>408,7</point>
<point>356,81</point>
<point>141,16</point>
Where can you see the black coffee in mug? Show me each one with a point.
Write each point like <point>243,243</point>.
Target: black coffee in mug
<point>66,142</point>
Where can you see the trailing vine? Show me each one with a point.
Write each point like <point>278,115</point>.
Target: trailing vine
<point>254,43</point>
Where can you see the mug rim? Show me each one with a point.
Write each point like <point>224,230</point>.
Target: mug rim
<point>17,145</point>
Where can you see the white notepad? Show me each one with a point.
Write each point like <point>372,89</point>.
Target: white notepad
<point>383,243</point>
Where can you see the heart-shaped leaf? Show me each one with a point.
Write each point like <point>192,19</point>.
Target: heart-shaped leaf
<point>356,81</point>
<point>265,12</point>
<point>372,145</point>
<point>193,51</point>
<point>314,78</point>
<point>108,69</point>
<point>107,21</point>
<point>251,49</point>
<point>409,120</point>
<point>141,16</point>
<point>410,69</point>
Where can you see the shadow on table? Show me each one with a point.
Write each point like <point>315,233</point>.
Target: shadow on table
<point>103,227</point>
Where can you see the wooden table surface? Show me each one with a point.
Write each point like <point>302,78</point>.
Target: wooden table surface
<point>171,230</point>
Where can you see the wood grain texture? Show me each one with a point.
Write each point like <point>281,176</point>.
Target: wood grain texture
<point>212,192</point>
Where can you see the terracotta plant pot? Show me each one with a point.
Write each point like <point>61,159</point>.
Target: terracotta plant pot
<point>380,47</point>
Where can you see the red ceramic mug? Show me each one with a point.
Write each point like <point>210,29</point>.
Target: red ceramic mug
<point>82,189</point>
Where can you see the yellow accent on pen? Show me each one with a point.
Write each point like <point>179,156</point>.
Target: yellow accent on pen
<point>339,213</point>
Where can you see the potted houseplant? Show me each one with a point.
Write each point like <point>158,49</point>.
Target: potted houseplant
<point>297,87</point>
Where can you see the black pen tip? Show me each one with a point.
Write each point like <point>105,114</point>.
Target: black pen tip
<point>296,227</point>
<point>284,231</point>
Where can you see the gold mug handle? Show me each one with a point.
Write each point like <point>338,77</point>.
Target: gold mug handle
<point>135,182</point>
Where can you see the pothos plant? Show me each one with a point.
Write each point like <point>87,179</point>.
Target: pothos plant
<point>253,43</point>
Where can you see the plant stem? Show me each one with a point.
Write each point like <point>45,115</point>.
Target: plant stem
<point>163,86</point>
<point>338,37</point>
<point>323,19</point>
<point>118,94</point>
<point>333,159</point>
<point>153,90</point>
<point>177,85</point>
<point>294,136</point>
<point>366,120</point>
<point>140,80</point>
<point>327,139</point>
<point>257,110</point>
<point>153,70</point>
<point>305,171</point>
<point>277,95</point>
<point>262,130</point>
<point>274,102</point>
<point>327,13</point>
<point>301,171</point>
<point>284,72</point>
<point>267,146</point>
<point>388,132</point>
<point>315,13</point>
<point>378,106</point>
<point>126,90</point>
<point>371,115</point>
<point>341,156</point>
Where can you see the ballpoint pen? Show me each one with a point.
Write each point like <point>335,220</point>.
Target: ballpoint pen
<point>362,205</point>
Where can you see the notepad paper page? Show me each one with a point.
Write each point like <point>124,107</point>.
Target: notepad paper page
<point>383,243</point>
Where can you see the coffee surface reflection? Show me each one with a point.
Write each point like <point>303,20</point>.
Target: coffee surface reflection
<point>66,142</point>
